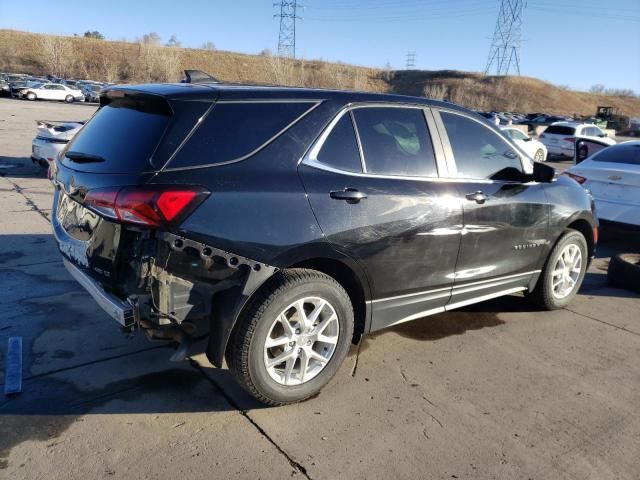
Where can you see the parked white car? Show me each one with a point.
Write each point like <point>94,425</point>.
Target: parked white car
<point>613,177</point>
<point>53,91</point>
<point>51,139</point>
<point>560,137</point>
<point>532,147</point>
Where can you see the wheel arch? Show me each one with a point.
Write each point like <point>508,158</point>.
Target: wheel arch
<point>228,305</point>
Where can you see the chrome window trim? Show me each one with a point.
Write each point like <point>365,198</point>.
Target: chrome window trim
<point>453,287</point>
<point>313,106</point>
<point>451,162</point>
<point>311,157</point>
<point>453,306</point>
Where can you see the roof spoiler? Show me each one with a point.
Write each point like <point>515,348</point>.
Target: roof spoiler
<point>197,76</point>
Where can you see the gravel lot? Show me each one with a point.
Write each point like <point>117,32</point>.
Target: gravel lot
<point>496,390</point>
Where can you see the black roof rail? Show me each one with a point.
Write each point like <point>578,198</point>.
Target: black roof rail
<point>196,76</point>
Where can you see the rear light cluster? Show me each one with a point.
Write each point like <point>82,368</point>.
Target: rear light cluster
<point>151,206</point>
<point>570,139</point>
<point>577,178</point>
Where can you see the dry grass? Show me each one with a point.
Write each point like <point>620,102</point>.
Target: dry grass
<point>139,62</point>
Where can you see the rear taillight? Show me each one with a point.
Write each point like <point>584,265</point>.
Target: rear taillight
<point>577,178</point>
<point>541,135</point>
<point>570,139</point>
<point>152,206</point>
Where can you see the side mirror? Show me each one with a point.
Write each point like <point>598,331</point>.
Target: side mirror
<point>527,139</point>
<point>604,134</point>
<point>543,173</point>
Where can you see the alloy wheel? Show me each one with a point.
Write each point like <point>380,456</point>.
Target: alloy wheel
<point>301,341</point>
<point>566,271</point>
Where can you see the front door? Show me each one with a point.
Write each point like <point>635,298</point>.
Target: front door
<point>505,214</point>
<point>378,200</point>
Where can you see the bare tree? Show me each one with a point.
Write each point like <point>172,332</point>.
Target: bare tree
<point>208,46</point>
<point>151,38</point>
<point>57,54</point>
<point>173,42</point>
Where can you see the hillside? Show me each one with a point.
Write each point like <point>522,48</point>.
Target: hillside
<point>78,57</point>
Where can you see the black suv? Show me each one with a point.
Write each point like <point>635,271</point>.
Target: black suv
<point>279,224</point>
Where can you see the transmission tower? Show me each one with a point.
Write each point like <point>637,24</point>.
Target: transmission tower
<point>504,54</point>
<point>411,60</point>
<point>287,37</point>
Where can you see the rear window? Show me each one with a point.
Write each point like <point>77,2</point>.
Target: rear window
<point>124,133</point>
<point>628,154</point>
<point>560,130</point>
<point>234,130</point>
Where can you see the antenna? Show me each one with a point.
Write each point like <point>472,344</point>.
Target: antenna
<point>411,60</point>
<point>287,36</point>
<point>504,53</point>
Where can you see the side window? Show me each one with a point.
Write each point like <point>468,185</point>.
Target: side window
<point>517,134</point>
<point>234,130</point>
<point>340,149</point>
<point>479,152</point>
<point>395,141</point>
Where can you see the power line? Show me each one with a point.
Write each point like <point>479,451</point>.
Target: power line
<point>411,60</point>
<point>504,53</point>
<point>287,36</point>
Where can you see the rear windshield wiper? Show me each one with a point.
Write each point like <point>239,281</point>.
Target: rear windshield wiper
<point>79,157</point>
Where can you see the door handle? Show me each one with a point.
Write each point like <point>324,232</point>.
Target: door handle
<point>350,195</point>
<point>478,197</point>
<point>615,177</point>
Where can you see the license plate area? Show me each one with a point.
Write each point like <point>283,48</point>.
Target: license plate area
<point>76,220</point>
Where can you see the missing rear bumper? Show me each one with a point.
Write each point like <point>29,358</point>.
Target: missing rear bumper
<point>125,313</point>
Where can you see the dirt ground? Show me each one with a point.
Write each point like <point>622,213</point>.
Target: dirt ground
<point>496,390</point>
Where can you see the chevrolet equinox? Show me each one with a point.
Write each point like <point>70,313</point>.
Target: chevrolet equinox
<point>273,226</point>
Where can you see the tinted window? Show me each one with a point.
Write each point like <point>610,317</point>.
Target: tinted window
<point>628,154</point>
<point>560,130</point>
<point>340,149</point>
<point>478,151</point>
<point>124,133</point>
<point>233,130</point>
<point>395,141</point>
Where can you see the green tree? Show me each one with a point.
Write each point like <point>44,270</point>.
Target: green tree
<point>94,34</point>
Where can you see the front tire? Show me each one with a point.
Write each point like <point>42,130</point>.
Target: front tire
<point>69,99</point>
<point>563,272</point>
<point>31,96</point>
<point>292,337</point>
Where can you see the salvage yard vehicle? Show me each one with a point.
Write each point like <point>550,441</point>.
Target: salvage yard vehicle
<point>51,139</point>
<point>532,147</point>
<point>560,138</point>
<point>280,224</point>
<point>612,175</point>
<point>53,91</point>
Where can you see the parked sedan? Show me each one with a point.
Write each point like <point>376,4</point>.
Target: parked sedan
<point>613,177</point>
<point>532,147</point>
<point>560,138</point>
<point>53,91</point>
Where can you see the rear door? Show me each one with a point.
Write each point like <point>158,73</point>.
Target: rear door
<point>505,217</point>
<point>372,181</point>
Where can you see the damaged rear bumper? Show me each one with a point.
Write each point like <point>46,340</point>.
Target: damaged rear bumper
<point>125,313</point>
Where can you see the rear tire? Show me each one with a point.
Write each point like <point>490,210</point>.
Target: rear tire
<point>539,156</point>
<point>561,279</point>
<point>272,318</point>
<point>69,99</point>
